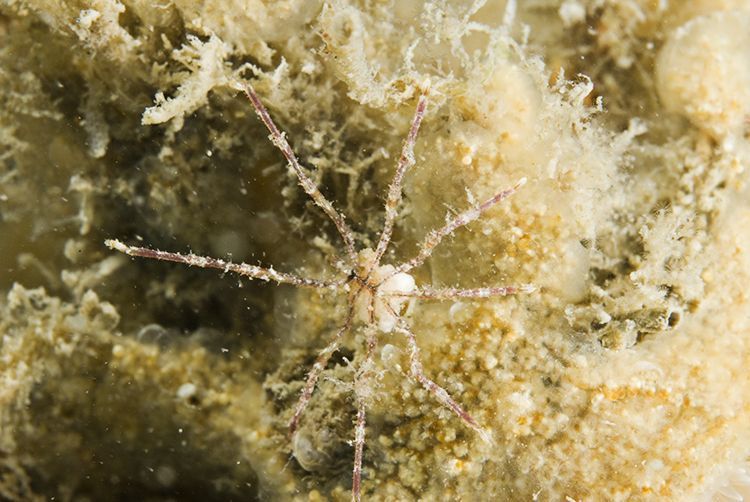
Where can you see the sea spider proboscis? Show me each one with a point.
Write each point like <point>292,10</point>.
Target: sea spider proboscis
<point>376,293</point>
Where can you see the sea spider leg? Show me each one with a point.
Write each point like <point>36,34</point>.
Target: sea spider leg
<point>429,293</point>
<point>436,236</point>
<point>279,139</point>
<point>320,363</point>
<point>359,443</point>
<point>362,391</point>
<point>442,395</point>
<point>244,269</point>
<point>395,189</point>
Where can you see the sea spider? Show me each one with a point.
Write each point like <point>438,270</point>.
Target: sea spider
<point>376,293</point>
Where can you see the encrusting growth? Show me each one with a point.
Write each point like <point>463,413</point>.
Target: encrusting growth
<point>376,293</point>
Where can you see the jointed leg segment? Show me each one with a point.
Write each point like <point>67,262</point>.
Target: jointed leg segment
<point>396,187</point>
<point>193,260</point>
<point>278,138</point>
<point>442,395</point>
<point>361,385</point>
<point>436,236</point>
<point>320,363</point>
<point>429,293</point>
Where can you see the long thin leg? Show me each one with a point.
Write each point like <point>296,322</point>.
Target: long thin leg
<point>359,443</point>
<point>429,293</point>
<point>320,363</point>
<point>279,139</point>
<point>395,189</point>
<point>461,219</point>
<point>361,391</point>
<point>442,395</point>
<point>251,271</point>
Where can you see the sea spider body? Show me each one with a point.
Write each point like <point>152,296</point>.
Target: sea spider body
<point>376,293</point>
<point>374,289</point>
